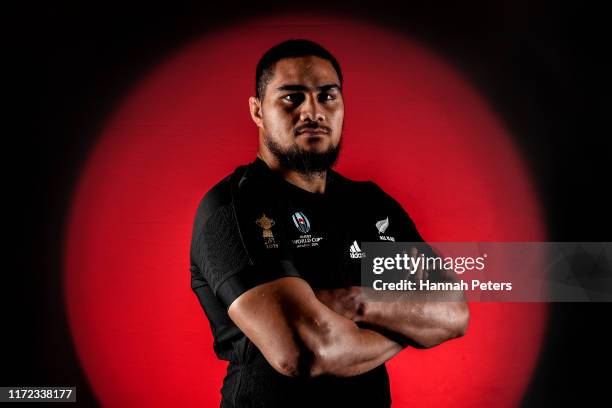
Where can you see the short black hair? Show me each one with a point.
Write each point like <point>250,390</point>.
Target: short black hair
<point>292,48</point>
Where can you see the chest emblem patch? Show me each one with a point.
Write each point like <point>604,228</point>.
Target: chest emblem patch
<point>266,224</point>
<point>382,226</point>
<point>301,222</point>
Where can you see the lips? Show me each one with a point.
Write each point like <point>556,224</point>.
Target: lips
<point>312,132</point>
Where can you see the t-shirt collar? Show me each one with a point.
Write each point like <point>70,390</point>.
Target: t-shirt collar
<point>262,167</point>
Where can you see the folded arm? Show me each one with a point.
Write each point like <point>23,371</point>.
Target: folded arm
<point>300,336</point>
<point>422,319</point>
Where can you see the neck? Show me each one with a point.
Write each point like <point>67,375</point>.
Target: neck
<point>313,182</point>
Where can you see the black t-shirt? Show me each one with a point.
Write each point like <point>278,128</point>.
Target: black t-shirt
<point>253,227</point>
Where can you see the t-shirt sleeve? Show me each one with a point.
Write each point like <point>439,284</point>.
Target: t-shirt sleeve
<point>407,231</point>
<point>229,255</point>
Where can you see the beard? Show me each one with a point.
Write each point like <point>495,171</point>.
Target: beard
<point>304,162</point>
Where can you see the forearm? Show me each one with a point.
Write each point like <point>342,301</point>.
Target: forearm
<point>420,323</point>
<point>349,350</point>
<point>300,336</point>
<point>422,319</point>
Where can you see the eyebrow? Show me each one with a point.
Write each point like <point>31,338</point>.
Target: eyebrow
<point>298,87</point>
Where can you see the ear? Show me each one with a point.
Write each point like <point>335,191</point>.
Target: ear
<point>255,108</point>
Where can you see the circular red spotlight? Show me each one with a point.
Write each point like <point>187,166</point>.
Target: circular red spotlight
<point>438,149</point>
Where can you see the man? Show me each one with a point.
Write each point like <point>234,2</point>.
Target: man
<point>276,251</point>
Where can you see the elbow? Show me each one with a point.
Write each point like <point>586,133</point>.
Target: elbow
<point>460,320</point>
<point>302,362</point>
<point>454,325</point>
<point>309,362</point>
<point>295,363</point>
<point>306,364</point>
<point>285,365</point>
<point>316,349</point>
<point>457,321</point>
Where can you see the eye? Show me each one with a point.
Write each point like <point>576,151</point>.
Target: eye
<point>325,96</point>
<point>294,98</point>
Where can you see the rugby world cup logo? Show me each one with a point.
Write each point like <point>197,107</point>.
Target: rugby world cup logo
<point>301,222</point>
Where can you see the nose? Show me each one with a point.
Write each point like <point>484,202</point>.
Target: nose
<point>311,110</point>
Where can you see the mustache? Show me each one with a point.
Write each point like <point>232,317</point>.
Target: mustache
<point>314,127</point>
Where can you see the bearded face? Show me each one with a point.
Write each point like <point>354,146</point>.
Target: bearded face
<point>302,114</point>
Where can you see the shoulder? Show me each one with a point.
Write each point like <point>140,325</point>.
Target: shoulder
<point>367,197</point>
<point>247,183</point>
<point>216,197</point>
<point>219,196</point>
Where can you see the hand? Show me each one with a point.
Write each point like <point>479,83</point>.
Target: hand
<point>347,302</point>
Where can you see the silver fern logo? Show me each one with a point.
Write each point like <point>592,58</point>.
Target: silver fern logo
<point>382,225</point>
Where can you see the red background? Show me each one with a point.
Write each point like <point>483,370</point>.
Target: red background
<point>412,124</point>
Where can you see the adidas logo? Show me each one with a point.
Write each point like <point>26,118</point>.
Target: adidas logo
<point>355,251</point>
